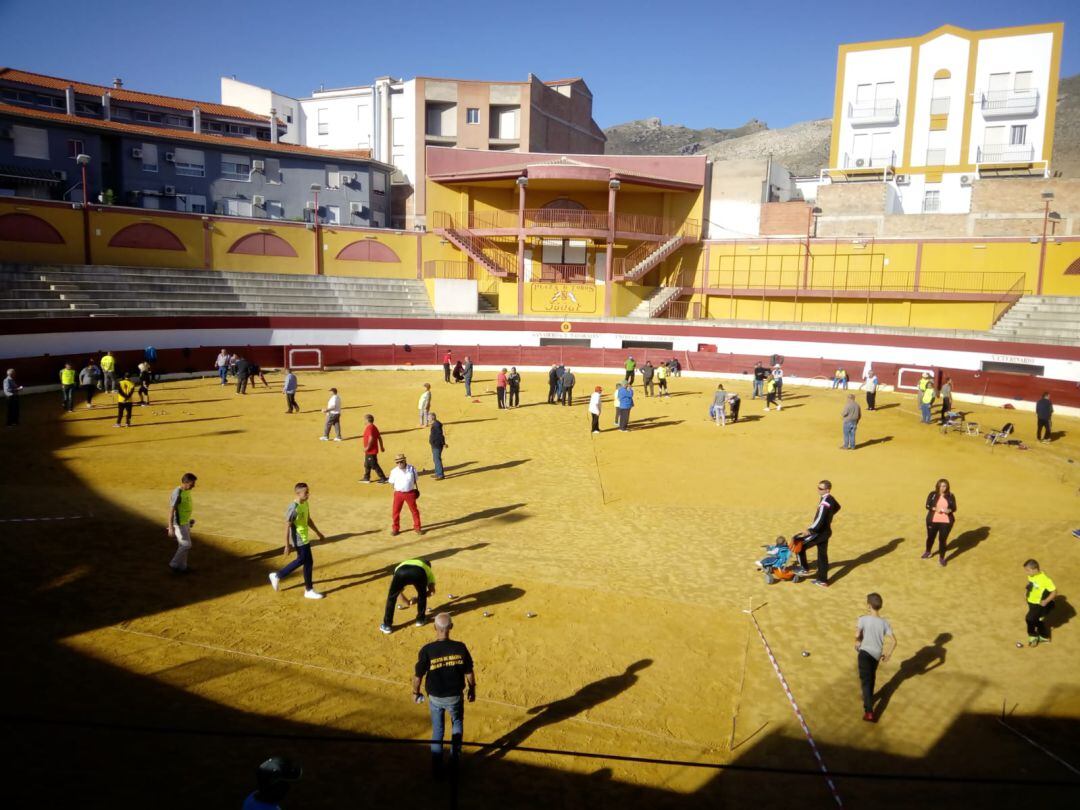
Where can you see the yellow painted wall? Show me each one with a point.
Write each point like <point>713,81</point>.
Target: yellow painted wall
<point>405,245</point>
<point>65,219</point>
<point>579,300</point>
<point>626,297</point>
<point>106,223</point>
<point>925,314</point>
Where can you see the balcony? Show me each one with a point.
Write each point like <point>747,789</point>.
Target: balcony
<point>1009,103</point>
<point>884,112</point>
<point>1004,154</point>
<point>571,222</point>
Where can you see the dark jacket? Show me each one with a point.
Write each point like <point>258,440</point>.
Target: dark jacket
<point>1044,409</point>
<point>568,380</point>
<point>647,373</point>
<point>553,376</point>
<point>514,379</point>
<point>243,368</point>
<point>931,504</point>
<point>436,437</point>
<point>821,527</point>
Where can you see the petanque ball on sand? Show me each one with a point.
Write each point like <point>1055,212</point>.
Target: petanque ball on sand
<point>1019,645</point>
<point>530,615</point>
<point>452,596</point>
<point>487,615</point>
<point>805,653</point>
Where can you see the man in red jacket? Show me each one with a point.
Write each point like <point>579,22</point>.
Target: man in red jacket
<point>373,445</point>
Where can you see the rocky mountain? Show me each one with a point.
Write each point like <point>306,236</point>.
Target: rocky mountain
<point>804,147</point>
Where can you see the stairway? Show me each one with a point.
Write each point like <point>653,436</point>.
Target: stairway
<point>655,304</point>
<point>49,291</point>
<point>480,249</point>
<point>1042,319</point>
<point>645,258</point>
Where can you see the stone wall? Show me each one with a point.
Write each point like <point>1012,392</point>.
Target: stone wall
<point>784,218</point>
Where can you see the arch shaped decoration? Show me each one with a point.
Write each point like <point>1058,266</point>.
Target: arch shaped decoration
<point>368,250</point>
<point>146,236</point>
<point>944,73</point>
<point>1073,269</point>
<point>262,244</point>
<point>28,228</point>
<point>564,204</point>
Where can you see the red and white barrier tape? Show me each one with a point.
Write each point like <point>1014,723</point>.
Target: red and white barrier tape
<point>798,713</point>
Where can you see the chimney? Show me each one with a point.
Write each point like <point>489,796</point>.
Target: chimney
<point>273,126</point>
<point>69,99</point>
<point>196,120</point>
<point>106,105</point>
<point>117,83</point>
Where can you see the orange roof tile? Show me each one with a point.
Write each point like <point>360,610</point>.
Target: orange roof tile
<point>170,102</point>
<point>184,135</point>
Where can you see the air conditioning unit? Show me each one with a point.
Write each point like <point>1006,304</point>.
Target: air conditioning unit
<point>903,180</point>
<point>170,191</point>
<point>356,208</point>
<point>965,179</point>
<point>258,165</point>
<point>345,179</point>
<point>859,163</point>
<point>310,205</point>
<point>136,153</point>
<point>258,200</point>
<point>170,157</point>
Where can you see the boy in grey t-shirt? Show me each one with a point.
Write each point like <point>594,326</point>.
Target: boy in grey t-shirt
<point>870,646</point>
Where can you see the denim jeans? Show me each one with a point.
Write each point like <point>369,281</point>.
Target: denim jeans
<point>436,456</point>
<point>759,387</point>
<point>925,408</point>
<point>867,671</point>
<point>849,435</point>
<point>223,373</point>
<point>456,707</point>
<point>468,386</point>
<point>303,558</point>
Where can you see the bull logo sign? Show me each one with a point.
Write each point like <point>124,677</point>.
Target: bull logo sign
<point>580,298</point>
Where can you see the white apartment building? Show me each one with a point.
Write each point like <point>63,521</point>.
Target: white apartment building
<point>930,115</point>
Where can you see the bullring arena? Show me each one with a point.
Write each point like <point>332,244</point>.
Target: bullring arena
<point>602,583</point>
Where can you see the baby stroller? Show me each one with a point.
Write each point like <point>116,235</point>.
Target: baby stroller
<point>781,561</point>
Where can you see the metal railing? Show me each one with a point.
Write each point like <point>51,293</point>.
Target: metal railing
<point>448,268</point>
<point>883,109</point>
<point>883,161</point>
<point>568,219</point>
<point>1005,154</point>
<point>1007,299</point>
<point>676,310</point>
<point>1005,102</point>
<point>565,274</point>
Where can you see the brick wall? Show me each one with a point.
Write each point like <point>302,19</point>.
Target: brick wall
<point>926,225</point>
<point>1024,196</point>
<point>784,218</point>
<point>837,199</point>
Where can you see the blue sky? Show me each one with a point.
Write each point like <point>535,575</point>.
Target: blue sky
<point>696,63</point>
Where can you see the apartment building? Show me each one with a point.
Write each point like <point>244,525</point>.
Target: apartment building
<point>931,115</point>
<point>396,119</point>
<point>163,153</point>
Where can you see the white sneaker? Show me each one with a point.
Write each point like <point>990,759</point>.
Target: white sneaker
<point>324,439</point>
<point>338,439</point>
<point>274,581</point>
<point>779,407</point>
<point>312,594</point>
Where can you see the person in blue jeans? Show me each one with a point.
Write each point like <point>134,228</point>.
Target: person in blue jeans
<point>437,440</point>
<point>466,372</point>
<point>625,400</point>
<point>448,667</point>
<point>850,416</point>
<point>298,523</point>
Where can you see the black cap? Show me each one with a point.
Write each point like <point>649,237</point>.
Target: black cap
<point>276,770</point>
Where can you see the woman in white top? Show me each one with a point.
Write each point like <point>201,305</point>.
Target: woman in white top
<point>594,408</point>
<point>424,405</point>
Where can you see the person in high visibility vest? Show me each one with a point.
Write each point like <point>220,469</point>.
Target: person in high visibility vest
<point>298,522</point>
<point>926,401</point>
<point>108,371</point>
<point>67,387</point>
<point>181,508</point>
<point>125,395</point>
<point>419,575</point>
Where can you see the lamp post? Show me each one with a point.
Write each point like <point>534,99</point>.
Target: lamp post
<point>522,184</point>
<point>1047,197</point>
<point>83,159</point>
<point>315,189</point>
<point>613,188</point>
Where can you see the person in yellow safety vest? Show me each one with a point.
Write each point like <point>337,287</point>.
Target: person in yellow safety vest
<point>125,393</point>
<point>67,387</point>
<point>181,507</point>
<point>926,400</point>
<point>108,370</point>
<point>770,395</point>
<point>414,572</point>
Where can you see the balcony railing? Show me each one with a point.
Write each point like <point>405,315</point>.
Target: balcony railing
<point>1009,103</point>
<point>444,268</point>
<point>874,112</point>
<point>1005,154</point>
<point>565,274</point>
<point>886,160</point>
<point>935,157</point>
<point>569,219</point>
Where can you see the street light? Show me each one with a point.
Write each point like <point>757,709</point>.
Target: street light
<point>82,159</point>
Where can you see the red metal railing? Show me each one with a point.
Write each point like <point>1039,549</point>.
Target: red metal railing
<point>445,268</point>
<point>569,219</point>
<point>565,273</point>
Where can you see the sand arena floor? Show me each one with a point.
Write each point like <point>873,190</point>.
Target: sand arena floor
<point>125,684</point>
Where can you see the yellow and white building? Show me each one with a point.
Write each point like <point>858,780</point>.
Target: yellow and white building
<point>931,115</point>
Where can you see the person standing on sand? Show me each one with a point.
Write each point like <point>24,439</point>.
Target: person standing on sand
<point>88,379</point>
<point>946,398</point>
<point>718,410</point>
<point>448,667</point>
<point>626,403</point>
<point>181,508</point>
<point>423,405</point>
<point>631,365</point>
<point>466,375</point>
<point>108,371</point>
<point>820,532</point>
<point>448,358</point>
<point>125,393</point>
<point>514,381</point>
<point>647,372</point>
<point>594,408</point>
<point>871,632</point>
<point>568,380</point>
<point>289,389</point>
<point>940,518</point>
<point>67,387</point>
<point>333,416</point>
<point>297,523</point>
<point>437,440</point>
<point>871,386</point>
<point>500,389</point>
<point>615,400</point>
<point>406,491</point>
<point>373,444</point>
<point>221,364</point>
<point>662,374</point>
<point>11,395</point>
<point>1044,414</point>
<point>553,382</point>
<point>759,380</point>
<point>850,416</point>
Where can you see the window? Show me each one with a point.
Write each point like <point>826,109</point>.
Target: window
<point>275,210</point>
<point>149,157</point>
<point>236,129</point>
<point>288,115</point>
<point>150,201</point>
<point>272,170</point>
<point>52,101</point>
<point>378,180</point>
<point>18,96</point>
<point>936,143</point>
<point>121,112</point>
<point>236,167</point>
<point>333,177</point>
<point>85,108</point>
<point>192,203</point>
<point>75,148</point>
<point>504,123</point>
<point>1018,135</point>
<point>235,208</point>
<point>398,132</point>
<point>324,125</point>
<point>565,251</point>
<point>931,201</point>
<point>31,142</point>
<point>147,117</point>
<point>189,162</point>
<point>333,215</point>
<point>472,115</point>
<point>1022,81</point>
<point>213,126</point>
<point>363,112</point>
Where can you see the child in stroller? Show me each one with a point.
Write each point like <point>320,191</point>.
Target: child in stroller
<point>781,561</point>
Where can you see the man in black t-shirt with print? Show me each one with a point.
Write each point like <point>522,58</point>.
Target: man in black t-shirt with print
<point>449,670</point>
